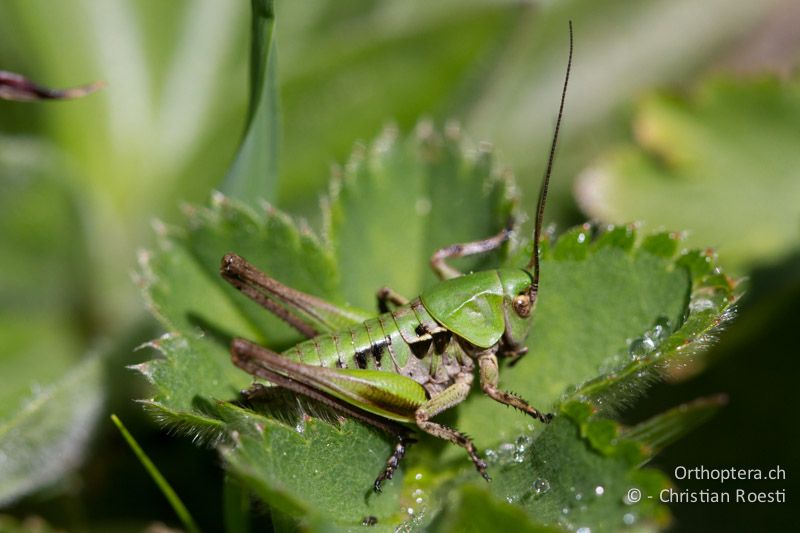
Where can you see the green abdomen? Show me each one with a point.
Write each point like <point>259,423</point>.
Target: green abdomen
<point>397,342</point>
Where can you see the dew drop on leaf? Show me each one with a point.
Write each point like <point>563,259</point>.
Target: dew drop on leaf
<point>540,486</point>
<point>641,347</point>
<point>701,304</point>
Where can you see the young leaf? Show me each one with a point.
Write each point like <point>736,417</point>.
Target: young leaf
<point>254,174</point>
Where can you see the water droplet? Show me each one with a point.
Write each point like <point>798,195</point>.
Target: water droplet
<point>641,347</point>
<point>410,510</point>
<point>540,486</point>
<point>579,496</point>
<point>506,452</point>
<point>629,519</point>
<point>657,333</point>
<point>599,490</point>
<point>581,238</point>
<point>418,477</point>
<point>565,510</point>
<point>418,500</point>
<point>491,456</point>
<point>583,530</point>
<point>700,304</point>
<point>522,444</point>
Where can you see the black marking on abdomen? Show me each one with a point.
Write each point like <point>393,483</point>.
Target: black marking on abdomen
<point>378,348</point>
<point>360,358</point>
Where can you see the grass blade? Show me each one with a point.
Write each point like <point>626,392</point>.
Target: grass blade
<point>173,499</point>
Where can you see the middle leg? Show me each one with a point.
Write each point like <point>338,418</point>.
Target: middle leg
<point>451,396</point>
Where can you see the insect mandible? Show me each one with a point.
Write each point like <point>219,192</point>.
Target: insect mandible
<point>414,360</point>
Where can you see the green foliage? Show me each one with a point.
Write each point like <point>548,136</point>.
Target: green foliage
<point>46,436</point>
<point>730,140</point>
<point>79,187</point>
<point>48,401</point>
<point>495,66</point>
<point>601,297</point>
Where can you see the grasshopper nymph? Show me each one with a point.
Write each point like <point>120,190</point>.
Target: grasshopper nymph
<point>417,358</point>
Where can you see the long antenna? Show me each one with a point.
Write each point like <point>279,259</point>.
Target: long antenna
<point>537,230</point>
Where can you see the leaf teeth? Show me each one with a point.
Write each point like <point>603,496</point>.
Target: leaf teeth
<point>200,429</point>
<point>453,132</point>
<point>425,131</point>
<point>159,228</point>
<point>145,369</point>
<point>217,199</point>
<point>386,140</point>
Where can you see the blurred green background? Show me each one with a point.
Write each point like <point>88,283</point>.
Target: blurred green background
<point>682,115</point>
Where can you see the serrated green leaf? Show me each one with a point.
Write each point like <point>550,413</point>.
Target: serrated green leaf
<point>314,468</point>
<point>183,282</point>
<point>595,302</point>
<point>418,194</point>
<point>601,292</point>
<point>562,478</point>
<point>254,174</point>
<point>720,163</point>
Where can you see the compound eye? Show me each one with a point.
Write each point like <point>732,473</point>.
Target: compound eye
<point>522,305</point>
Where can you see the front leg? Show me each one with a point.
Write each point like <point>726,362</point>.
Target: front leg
<point>451,396</point>
<point>490,377</point>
